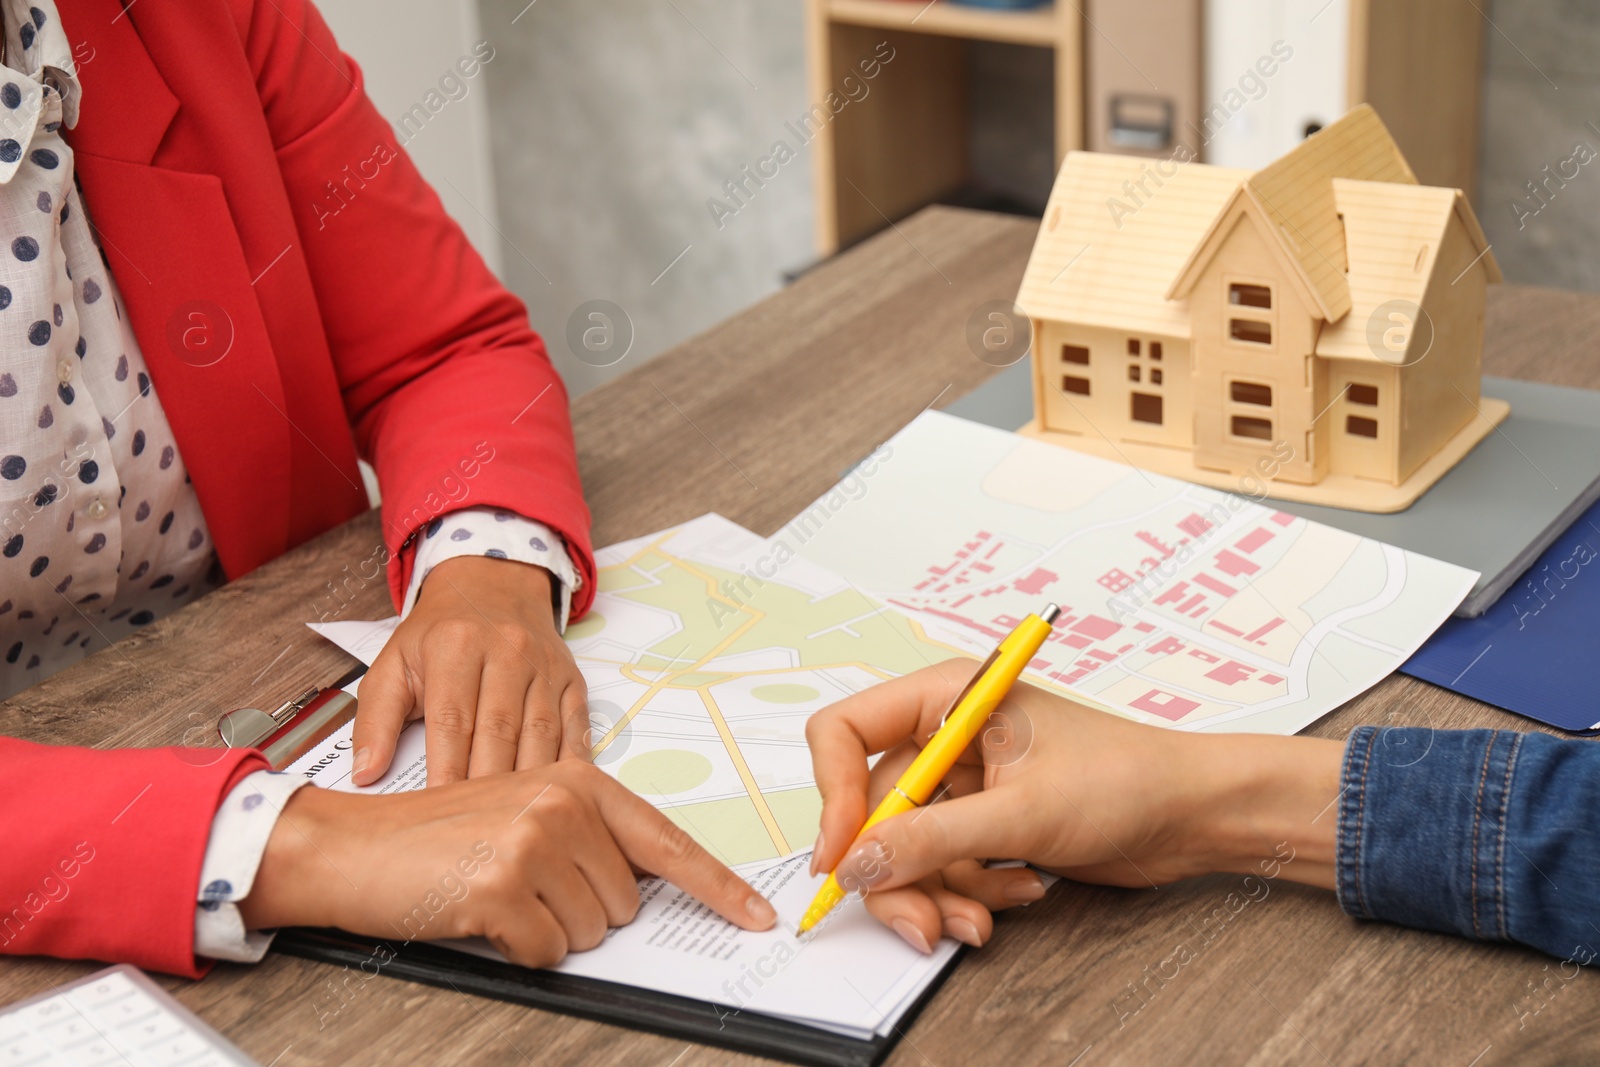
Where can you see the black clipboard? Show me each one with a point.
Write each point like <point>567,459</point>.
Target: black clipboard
<point>698,1021</point>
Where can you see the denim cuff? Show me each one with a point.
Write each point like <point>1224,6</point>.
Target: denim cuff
<point>1423,827</point>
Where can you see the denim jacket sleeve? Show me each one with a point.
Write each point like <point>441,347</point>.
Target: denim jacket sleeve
<point>1489,834</point>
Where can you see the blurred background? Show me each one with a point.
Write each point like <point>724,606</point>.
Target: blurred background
<point>681,159</point>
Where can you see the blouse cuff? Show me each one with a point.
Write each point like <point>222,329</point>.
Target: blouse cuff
<point>501,534</point>
<point>239,834</point>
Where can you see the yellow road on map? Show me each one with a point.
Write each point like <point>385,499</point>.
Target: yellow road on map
<point>714,721</point>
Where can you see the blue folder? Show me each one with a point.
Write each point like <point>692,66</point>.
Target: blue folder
<point>1536,652</point>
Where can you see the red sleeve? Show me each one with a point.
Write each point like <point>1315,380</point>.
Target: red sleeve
<point>452,395</point>
<point>103,849</point>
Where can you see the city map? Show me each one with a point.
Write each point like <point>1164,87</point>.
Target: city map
<point>1181,606</point>
<point>702,674</point>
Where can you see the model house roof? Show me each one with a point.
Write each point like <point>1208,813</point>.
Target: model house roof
<point>1105,256</point>
<point>1295,194</point>
<point>1342,211</point>
<point>1393,236</point>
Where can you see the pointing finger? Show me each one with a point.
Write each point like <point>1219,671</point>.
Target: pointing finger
<point>654,843</point>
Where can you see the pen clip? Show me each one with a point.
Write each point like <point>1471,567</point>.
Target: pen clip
<point>983,668</point>
<point>1049,615</point>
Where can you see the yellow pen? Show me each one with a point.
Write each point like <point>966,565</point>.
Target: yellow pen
<point>962,723</point>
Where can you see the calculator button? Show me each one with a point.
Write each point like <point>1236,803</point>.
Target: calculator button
<point>46,1012</point>
<point>159,1027</point>
<point>73,1030</point>
<point>21,1049</point>
<point>128,1011</point>
<point>97,1053</point>
<point>101,991</point>
<point>176,1050</point>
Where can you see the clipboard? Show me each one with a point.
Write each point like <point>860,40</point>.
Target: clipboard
<point>633,1007</point>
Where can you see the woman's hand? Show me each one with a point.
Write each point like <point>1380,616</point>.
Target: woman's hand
<point>1079,792</point>
<point>478,658</point>
<point>539,862</point>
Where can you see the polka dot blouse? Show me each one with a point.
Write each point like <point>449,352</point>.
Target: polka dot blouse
<point>100,530</point>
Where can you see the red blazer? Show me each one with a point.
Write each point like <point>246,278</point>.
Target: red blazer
<point>301,298</point>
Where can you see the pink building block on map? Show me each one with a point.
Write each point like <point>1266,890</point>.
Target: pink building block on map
<point>1230,672</point>
<point>1220,588</point>
<point>1254,539</point>
<point>1035,583</point>
<point>1234,565</point>
<point>1169,706</point>
<point>1096,627</point>
<point>1115,579</point>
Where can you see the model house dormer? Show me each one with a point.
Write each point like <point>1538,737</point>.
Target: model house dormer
<point>1317,324</point>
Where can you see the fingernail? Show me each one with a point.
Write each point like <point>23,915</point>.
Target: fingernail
<point>912,935</point>
<point>816,854</point>
<point>1024,890</point>
<point>962,930</point>
<point>363,757</point>
<point>761,911</point>
<point>864,867</point>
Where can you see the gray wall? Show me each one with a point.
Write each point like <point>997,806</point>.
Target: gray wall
<point>1541,95</point>
<point>612,123</point>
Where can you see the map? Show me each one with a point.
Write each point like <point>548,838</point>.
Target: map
<point>1181,605</point>
<point>705,655</point>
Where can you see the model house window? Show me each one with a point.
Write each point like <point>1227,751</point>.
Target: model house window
<point>1155,376</point>
<point>1133,373</point>
<point>1074,354</point>
<point>1250,296</point>
<point>1363,394</point>
<point>1252,331</point>
<point>1133,346</point>
<point>1155,351</point>
<point>1251,393</point>
<point>1146,408</point>
<point>1245,426</point>
<point>1360,426</point>
<point>1069,384</point>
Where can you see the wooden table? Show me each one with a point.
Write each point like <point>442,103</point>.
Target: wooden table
<point>755,419</point>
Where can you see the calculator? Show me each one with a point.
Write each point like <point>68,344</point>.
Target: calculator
<point>117,1016</point>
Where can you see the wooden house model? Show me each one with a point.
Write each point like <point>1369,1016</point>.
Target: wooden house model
<point>1316,324</point>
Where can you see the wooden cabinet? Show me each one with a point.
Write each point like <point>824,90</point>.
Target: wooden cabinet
<point>904,144</point>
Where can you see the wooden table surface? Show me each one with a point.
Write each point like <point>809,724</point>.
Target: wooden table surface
<point>754,419</point>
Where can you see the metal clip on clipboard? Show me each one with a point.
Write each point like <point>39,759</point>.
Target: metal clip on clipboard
<point>293,729</point>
